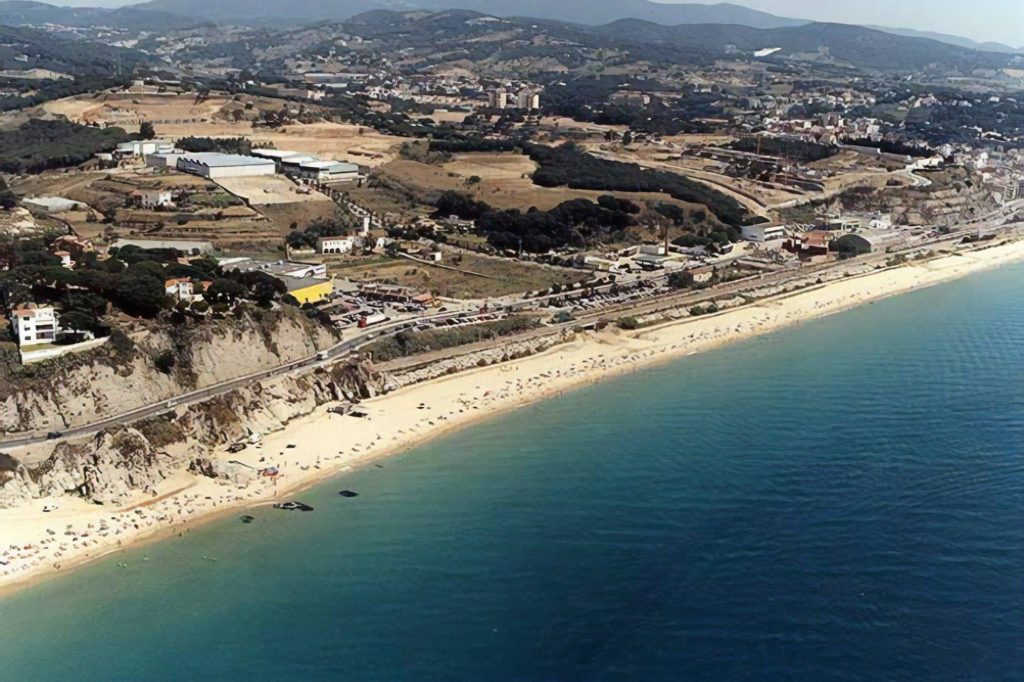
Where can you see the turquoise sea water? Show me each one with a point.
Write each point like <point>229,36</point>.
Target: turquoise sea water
<point>843,500</point>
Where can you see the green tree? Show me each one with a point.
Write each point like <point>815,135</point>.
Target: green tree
<point>147,131</point>
<point>8,199</point>
<point>680,279</point>
<point>78,321</point>
<point>224,290</point>
<point>139,291</point>
<point>165,361</point>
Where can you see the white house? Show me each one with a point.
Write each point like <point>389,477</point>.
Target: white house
<point>151,198</point>
<point>180,288</point>
<point>335,244</point>
<point>34,324</point>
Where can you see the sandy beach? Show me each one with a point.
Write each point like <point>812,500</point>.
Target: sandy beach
<point>35,544</point>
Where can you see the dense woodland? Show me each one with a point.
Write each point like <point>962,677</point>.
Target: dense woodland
<point>786,148</point>
<point>569,166</point>
<point>40,145</point>
<point>225,145</point>
<point>131,281</point>
<point>576,223</point>
<point>589,99</point>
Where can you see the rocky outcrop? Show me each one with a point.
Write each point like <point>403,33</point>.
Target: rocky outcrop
<point>263,406</point>
<point>952,199</point>
<point>104,470</point>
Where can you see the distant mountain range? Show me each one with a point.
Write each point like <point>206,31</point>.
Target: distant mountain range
<point>164,15</point>
<point>582,11</point>
<point>839,44</point>
<point>959,41</point>
<point>26,13</point>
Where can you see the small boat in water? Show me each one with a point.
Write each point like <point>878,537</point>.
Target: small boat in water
<point>248,519</point>
<point>348,493</point>
<point>293,506</point>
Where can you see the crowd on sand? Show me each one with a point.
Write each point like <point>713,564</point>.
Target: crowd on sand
<point>70,531</point>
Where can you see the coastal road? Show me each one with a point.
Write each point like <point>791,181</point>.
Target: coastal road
<point>348,346</point>
<point>339,349</point>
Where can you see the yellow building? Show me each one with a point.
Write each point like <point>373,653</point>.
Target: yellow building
<point>309,290</point>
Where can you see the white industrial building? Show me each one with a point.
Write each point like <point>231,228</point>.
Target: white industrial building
<point>215,165</point>
<point>279,156</point>
<point>765,232</point>
<point>143,147</point>
<point>276,154</point>
<point>282,268</point>
<point>329,171</point>
<point>165,159</point>
<point>293,164</point>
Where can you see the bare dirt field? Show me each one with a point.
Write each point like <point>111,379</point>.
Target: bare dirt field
<point>507,276</point>
<point>268,189</point>
<point>129,110</point>
<point>443,116</point>
<point>281,216</point>
<point>565,123</point>
<point>177,116</point>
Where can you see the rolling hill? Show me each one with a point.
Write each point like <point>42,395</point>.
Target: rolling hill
<point>589,11</point>
<point>27,13</point>
<point>838,44</point>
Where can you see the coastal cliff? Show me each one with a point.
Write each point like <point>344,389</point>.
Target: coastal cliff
<point>150,365</point>
<point>118,462</point>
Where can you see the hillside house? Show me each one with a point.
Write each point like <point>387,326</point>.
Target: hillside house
<point>34,324</point>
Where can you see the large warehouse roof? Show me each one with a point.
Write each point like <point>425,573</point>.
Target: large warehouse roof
<point>338,166</point>
<point>218,160</point>
<point>274,153</point>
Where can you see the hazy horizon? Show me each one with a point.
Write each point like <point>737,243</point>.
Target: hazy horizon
<point>982,20</point>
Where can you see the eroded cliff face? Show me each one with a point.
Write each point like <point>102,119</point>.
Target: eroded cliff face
<point>76,390</point>
<point>957,200</point>
<point>115,463</point>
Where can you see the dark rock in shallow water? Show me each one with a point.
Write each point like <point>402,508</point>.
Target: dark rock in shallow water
<point>348,493</point>
<point>293,506</point>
